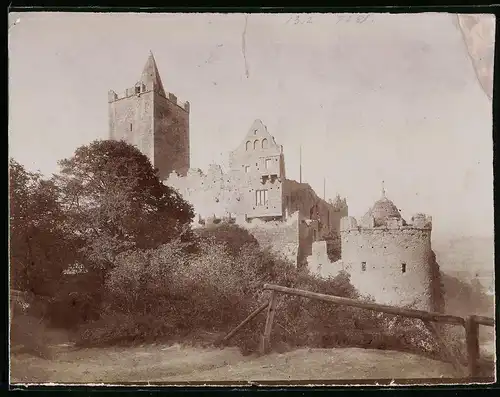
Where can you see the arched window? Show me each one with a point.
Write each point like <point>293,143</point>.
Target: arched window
<point>265,143</point>
<point>255,144</point>
<point>248,145</point>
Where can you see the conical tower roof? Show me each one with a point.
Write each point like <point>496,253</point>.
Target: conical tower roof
<point>150,74</point>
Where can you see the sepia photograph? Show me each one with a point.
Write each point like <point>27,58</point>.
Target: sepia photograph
<point>251,199</point>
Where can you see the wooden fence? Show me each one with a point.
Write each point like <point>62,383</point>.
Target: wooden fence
<point>471,323</point>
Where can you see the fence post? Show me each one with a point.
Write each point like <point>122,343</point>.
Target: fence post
<point>472,340</point>
<point>243,323</point>
<point>448,353</point>
<point>265,345</point>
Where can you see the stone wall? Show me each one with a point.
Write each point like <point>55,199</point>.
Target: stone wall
<point>320,264</point>
<point>301,197</point>
<point>308,234</point>
<point>157,126</point>
<point>393,265</point>
<point>257,170</point>
<point>131,120</point>
<point>218,194</point>
<point>213,194</point>
<point>171,126</point>
<point>282,238</point>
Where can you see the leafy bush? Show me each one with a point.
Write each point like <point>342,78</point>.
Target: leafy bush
<point>174,293</point>
<point>230,235</point>
<point>27,330</point>
<point>77,301</point>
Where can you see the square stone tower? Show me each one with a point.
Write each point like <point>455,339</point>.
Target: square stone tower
<point>152,119</point>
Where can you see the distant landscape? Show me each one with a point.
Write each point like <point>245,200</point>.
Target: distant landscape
<point>467,258</point>
<point>466,255</point>
<point>468,268</point>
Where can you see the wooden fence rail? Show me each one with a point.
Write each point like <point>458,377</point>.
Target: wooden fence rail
<point>471,324</point>
<point>420,314</point>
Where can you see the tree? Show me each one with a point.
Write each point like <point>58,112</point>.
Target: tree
<point>39,248</point>
<point>234,237</point>
<point>115,202</point>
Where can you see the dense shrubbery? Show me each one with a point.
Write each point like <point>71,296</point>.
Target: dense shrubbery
<point>176,293</point>
<point>151,278</point>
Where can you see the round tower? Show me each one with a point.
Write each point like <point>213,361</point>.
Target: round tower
<point>389,259</point>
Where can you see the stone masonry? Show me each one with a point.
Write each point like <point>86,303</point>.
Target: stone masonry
<point>153,120</point>
<point>255,190</point>
<point>388,259</point>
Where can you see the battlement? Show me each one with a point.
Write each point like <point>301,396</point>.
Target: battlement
<point>418,222</point>
<point>141,89</point>
<point>249,223</point>
<point>421,221</point>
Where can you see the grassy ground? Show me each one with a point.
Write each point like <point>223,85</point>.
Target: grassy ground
<point>156,363</point>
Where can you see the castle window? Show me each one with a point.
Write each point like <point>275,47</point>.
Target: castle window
<point>248,145</point>
<point>264,143</point>
<point>261,197</point>
<point>403,268</point>
<point>247,169</point>
<point>314,235</point>
<point>138,90</point>
<point>363,266</point>
<point>255,144</point>
<point>130,126</point>
<point>268,162</point>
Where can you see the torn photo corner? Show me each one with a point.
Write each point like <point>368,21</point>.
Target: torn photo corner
<point>251,199</point>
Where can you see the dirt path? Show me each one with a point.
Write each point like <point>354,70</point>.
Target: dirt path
<point>177,363</point>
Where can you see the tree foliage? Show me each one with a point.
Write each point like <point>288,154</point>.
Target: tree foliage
<point>116,202</point>
<point>39,247</point>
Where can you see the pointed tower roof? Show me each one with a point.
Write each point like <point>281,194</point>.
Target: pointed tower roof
<point>150,74</point>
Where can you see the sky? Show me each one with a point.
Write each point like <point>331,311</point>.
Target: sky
<point>378,97</point>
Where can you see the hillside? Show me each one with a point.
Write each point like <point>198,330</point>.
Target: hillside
<point>466,256</point>
<point>468,269</point>
<point>460,261</point>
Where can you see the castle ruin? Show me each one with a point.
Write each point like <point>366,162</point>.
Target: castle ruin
<point>281,213</point>
<point>153,120</point>
<point>388,259</point>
